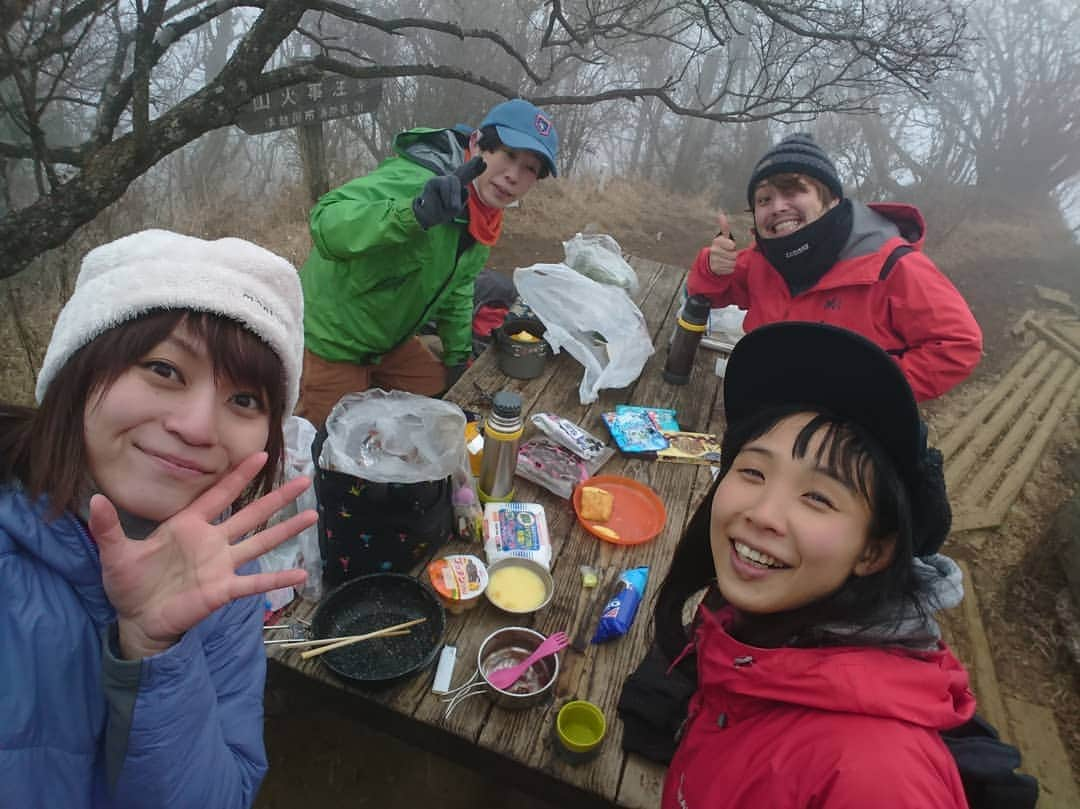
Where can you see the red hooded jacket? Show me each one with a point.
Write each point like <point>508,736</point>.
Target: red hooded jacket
<point>915,313</point>
<point>833,727</point>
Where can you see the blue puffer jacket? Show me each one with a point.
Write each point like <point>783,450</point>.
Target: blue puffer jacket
<point>80,727</point>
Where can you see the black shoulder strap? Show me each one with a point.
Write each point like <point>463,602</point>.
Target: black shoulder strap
<point>894,257</point>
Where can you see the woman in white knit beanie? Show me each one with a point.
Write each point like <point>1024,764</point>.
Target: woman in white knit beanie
<point>131,659</point>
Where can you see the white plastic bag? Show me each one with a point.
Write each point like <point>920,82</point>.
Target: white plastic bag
<point>301,550</point>
<point>726,323</point>
<point>599,257</point>
<point>394,437</point>
<point>598,324</point>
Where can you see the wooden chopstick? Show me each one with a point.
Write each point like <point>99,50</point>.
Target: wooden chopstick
<point>291,643</point>
<point>357,638</point>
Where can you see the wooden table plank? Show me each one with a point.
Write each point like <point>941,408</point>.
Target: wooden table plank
<point>521,742</point>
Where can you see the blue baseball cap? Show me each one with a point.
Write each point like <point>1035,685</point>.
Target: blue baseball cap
<point>521,125</point>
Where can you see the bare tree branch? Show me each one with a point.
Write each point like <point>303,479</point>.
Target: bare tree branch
<point>91,71</point>
<point>111,168</point>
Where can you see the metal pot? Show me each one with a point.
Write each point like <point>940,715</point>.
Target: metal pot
<point>517,359</point>
<point>513,643</point>
<point>516,643</point>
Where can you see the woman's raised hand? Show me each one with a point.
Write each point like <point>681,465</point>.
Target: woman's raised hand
<point>165,584</point>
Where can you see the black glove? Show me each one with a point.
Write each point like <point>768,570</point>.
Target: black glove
<point>653,707</point>
<point>454,372</point>
<point>445,197</point>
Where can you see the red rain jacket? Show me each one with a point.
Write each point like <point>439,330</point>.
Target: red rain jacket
<point>915,313</point>
<point>833,727</point>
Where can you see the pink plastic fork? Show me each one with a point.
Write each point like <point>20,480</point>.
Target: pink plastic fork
<point>504,678</point>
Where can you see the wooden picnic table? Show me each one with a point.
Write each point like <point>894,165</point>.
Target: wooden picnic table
<point>517,746</point>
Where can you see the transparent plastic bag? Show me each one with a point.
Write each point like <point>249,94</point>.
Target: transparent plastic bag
<point>598,324</point>
<point>394,437</point>
<point>599,257</point>
<point>301,550</point>
<point>726,324</point>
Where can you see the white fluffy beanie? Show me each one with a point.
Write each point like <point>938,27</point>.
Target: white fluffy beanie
<point>158,269</point>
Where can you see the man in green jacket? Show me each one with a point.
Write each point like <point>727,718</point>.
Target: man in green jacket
<point>403,245</point>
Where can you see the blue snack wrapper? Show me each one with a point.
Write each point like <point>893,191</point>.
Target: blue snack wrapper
<point>620,610</point>
<point>662,418</point>
<point>634,432</point>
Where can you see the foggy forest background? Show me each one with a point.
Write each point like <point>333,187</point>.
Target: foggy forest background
<point>908,95</point>
<point>119,115</point>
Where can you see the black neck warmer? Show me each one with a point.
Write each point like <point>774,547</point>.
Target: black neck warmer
<point>804,256</point>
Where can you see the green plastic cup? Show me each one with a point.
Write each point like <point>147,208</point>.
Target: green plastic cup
<point>580,728</point>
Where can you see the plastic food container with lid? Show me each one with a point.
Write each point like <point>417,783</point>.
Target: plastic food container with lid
<point>459,579</point>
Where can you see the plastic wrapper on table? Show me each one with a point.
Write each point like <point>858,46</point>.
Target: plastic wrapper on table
<point>554,467</point>
<point>301,550</point>
<point>599,257</point>
<point>619,612</point>
<point>599,325</point>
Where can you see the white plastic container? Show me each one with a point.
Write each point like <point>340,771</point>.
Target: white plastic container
<point>516,530</point>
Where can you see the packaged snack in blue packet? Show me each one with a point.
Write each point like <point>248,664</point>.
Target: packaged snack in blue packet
<point>663,418</point>
<point>621,608</point>
<point>634,432</point>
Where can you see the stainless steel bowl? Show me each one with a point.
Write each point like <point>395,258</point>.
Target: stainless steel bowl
<point>515,643</point>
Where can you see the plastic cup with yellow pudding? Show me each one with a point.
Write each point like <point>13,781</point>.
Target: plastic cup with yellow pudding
<point>459,579</point>
<point>519,585</point>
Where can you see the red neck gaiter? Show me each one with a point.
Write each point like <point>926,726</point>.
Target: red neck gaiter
<point>485,222</point>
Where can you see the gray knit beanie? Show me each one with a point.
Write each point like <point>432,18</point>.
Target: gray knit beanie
<point>158,269</point>
<point>796,154</point>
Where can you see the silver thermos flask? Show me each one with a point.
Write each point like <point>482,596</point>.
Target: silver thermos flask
<point>502,434</point>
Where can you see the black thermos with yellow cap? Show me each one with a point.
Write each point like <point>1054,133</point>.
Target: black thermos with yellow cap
<point>689,330</point>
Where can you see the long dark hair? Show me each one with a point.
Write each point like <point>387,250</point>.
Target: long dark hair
<point>854,457</point>
<point>43,447</point>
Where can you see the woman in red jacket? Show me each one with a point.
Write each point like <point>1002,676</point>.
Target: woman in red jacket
<point>821,257</point>
<point>822,679</point>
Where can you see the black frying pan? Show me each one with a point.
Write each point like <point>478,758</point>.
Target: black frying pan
<point>372,602</point>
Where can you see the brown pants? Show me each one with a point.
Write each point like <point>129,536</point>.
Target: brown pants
<point>410,367</point>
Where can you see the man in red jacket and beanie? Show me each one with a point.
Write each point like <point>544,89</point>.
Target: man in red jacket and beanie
<point>821,257</point>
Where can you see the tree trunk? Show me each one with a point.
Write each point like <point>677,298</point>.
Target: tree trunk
<point>687,176</point>
<point>313,156</point>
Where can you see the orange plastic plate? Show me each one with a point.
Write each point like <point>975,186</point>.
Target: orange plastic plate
<point>638,514</point>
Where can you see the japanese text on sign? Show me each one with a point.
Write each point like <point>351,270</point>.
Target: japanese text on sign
<point>299,104</point>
